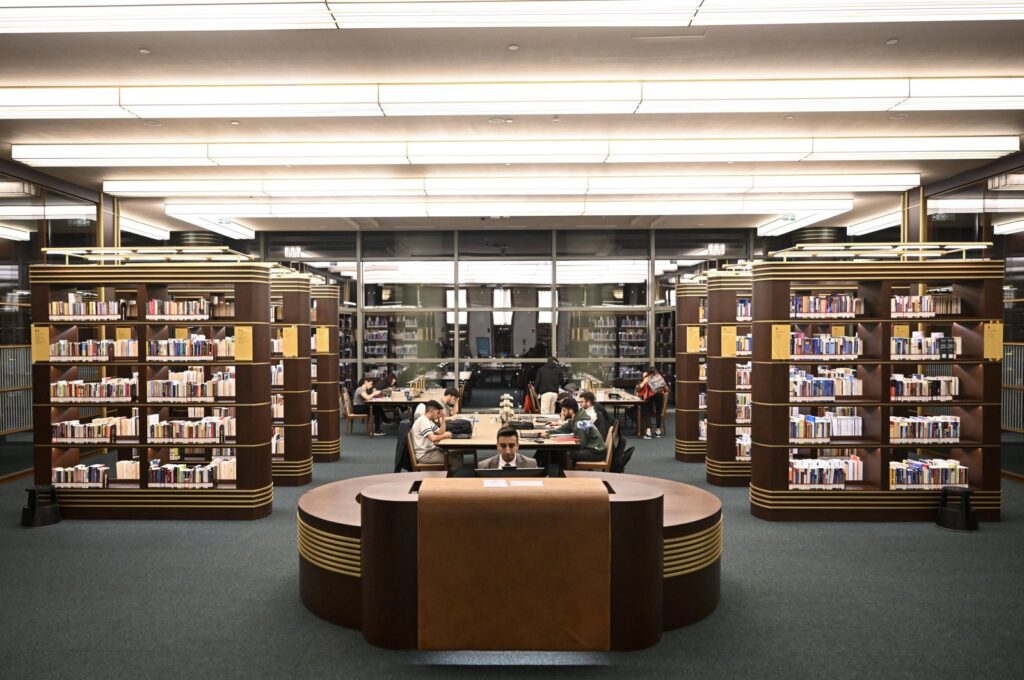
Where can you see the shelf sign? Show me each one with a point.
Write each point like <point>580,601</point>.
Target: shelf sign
<point>728,341</point>
<point>181,333</point>
<point>780,341</point>
<point>901,330</point>
<point>994,340</point>
<point>693,339</point>
<point>123,333</point>
<point>323,339</point>
<point>40,343</point>
<point>291,341</point>
<point>243,343</point>
<point>838,331</point>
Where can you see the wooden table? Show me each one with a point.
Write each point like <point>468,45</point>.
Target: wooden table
<point>624,400</point>
<point>398,399</point>
<point>485,436</point>
<point>358,556</point>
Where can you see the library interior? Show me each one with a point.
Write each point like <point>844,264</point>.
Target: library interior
<point>409,338</point>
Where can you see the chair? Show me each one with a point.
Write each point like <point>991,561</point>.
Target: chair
<point>416,465</point>
<point>350,415</point>
<point>535,399</point>
<point>609,446</point>
<point>402,450</point>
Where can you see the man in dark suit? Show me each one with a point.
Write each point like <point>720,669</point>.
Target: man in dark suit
<point>508,453</point>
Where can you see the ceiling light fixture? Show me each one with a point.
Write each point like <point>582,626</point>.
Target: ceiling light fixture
<point>1014,227</point>
<point>12,233</point>
<point>147,230</point>
<point>418,152</point>
<point>878,223</point>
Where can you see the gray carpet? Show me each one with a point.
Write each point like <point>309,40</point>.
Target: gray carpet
<point>92,599</point>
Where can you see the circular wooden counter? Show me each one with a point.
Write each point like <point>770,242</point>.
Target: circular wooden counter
<point>335,581</point>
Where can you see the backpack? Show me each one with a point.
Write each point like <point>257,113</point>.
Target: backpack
<point>657,383</point>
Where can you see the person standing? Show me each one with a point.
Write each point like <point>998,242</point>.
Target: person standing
<point>548,382</point>
<point>653,389</point>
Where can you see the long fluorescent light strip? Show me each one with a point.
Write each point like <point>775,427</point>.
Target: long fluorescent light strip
<point>515,98</point>
<point>512,185</point>
<point>14,233</point>
<point>92,16</point>
<point>874,224</point>
<point>1014,227</point>
<point>416,152</point>
<point>147,230</point>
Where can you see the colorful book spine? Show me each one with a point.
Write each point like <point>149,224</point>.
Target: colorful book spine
<point>277,441</point>
<point>807,429</point>
<point>924,429</point>
<point>835,306</point>
<point>107,430</point>
<point>744,345</point>
<point>824,473</point>
<point>702,401</point>
<point>702,371</point>
<point>825,346</point>
<point>75,309</point>
<point>277,375</point>
<point>919,347</point>
<point>277,406</point>
<point>208,430</point>
<point>744,309</point>
<point>702,429</point>
<point>105,390</point>
<point>926,473</point>
<point>923,306</point>
<point>923,388</point>
<point>80,476</point>
<point>93,350</point>
<point>743,375</point>
<point>194,348</point>
<point>744,407</point>
<point>181,476</point>
<point>127,469</point>
<point>178,310</point>
<point>825,386</point>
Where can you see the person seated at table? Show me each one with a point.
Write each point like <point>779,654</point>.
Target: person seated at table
<point>591,446</point>
<point>388,381</point>
<point>450,402</point>
<point>508,452</point>
<point>587,401</point>
<point>364,393</point>
<point>427,431</point>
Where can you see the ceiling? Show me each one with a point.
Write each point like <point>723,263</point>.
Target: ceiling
<point>987,48</point>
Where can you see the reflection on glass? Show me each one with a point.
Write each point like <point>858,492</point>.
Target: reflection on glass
<point>602,283</point>
<point>603,243</point>
<point>665,335</point>
<point>407,244</point>
<point>603,334</point>
<point>407,283</point>
<point>407,335</point>
<point>522,277</point>
<point>492,243</point>
<point>609,374</point>
<point>436,374</point>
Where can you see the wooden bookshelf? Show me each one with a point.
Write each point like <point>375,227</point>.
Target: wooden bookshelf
<point>290,297</point>
<point>725,290</point>
<point>250,494</point>
<point>977,283</point>
<point>325,339</point>
<point>691,329</point>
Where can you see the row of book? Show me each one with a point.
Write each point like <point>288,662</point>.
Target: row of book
<point>923,347</point>
<point>277,440</point>
<point>178,310</point>
<point>182,476</point>
<point>702,429</point>
<point>825,346</point>
<point>743,374</point>
<point>924,429</point>
<point>96,431</point>
<point>80,476</point>
<point>93,350</point>
<point>105,390</point>
<point>744,345</point>
<point>825,306</point>
<point>828,384</point>
<point>917,387</point>
<point>744,309</point>
<point>743,446</point>
<point>127,469</point>
<point>184,391</point>
<point>923,306</point>
<point>207,430</point>
<point>702,371</point>
<point>195,347</point>
<point>702,400</point>
<point>807,429</point>
<point>744,407</point>
<point>77,309</point>
<point>825,473</point>
<point>277,406</point>
<point>926,473</point>
<point>277,375</point>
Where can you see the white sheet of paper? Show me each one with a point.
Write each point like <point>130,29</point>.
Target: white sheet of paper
<point>494,482</point>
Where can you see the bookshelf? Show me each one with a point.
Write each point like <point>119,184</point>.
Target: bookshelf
<point>829,379</point>
<point>729,295</point>
<point>691,373</point>
<point>15,365</point>
<point>348,351</point>
<point>291,441</point>
<point>324,343</point>
<point>182,378</point>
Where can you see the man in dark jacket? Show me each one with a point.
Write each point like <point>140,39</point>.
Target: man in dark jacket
<point>548,382</point>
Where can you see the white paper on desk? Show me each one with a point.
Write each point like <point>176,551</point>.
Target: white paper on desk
<point>494,482</point>
<point>526,483</point>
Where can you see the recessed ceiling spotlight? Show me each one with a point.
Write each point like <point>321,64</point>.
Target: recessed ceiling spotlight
<point>892,41</point>
<point>152,123</point>
<point>496,121</point>
<point>899,116</point>
<point>513,47</point>
<point>235,122</point>
<point>145,50</point>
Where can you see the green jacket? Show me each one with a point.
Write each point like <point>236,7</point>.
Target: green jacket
<point>584,430</point>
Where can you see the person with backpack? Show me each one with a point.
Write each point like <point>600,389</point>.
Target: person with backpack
<point>653,389</point>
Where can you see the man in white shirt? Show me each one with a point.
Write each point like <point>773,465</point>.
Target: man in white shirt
<point>450,402</point>
<point>508,453</point>
<point>587,400</point>
<point>427,431</point>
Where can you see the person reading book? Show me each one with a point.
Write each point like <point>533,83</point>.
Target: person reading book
<point>508,453</point>
<point>577,424</point>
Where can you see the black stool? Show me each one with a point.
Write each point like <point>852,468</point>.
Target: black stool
<point>40,512</point>
<point>957,519</point>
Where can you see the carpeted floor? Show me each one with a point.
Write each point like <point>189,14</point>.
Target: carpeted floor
<point>92,599</point>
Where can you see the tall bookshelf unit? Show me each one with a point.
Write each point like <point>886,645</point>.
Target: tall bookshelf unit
<point>243,325</point>
<point>728,397</point>
<point>875,330</point>
<point>290,297</point>
<point>348,348</point>
<point>691,381</point>
<point>326,384</point>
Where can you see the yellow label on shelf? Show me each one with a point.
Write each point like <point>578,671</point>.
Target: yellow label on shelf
<point>994,340</point>
<point>243,343</point>
<point>123,333</point>
<point>323,339</point>
<point>838,331</point>
<point>780,341</point>
<point>728,341</point>
<point>901,330</point>
<point>40,343</point>
<point>291,342</point>
<point>693,339</point>
<point>181,333</point>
